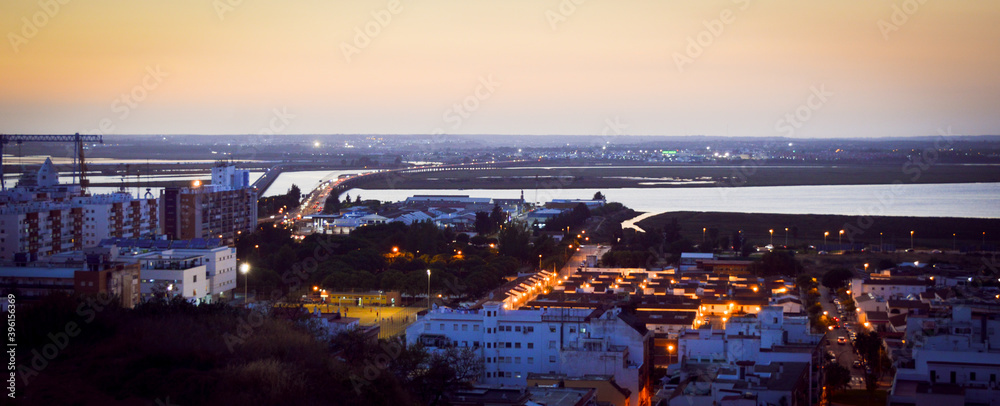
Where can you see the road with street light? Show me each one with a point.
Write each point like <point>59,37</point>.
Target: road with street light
<point>579,257</point>
<point>844,352</point>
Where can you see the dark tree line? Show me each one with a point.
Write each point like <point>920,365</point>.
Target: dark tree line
<point>178,353</point>
<point>573,218</point>
<point>365,260</point>
<point>269,206</point>
<point>655,247</point>
<point>489,223</point>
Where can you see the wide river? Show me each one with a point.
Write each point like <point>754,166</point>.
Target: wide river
<point>921,200</point>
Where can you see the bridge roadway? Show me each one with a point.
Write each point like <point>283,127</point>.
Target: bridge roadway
<point>317,197</point>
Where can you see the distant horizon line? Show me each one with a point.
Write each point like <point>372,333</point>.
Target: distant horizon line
<point>526,135</point>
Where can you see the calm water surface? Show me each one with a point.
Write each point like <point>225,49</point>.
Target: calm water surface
<point>922,200</point>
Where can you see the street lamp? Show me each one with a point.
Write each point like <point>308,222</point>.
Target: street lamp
<point>825,234</point>
<point>840,238</point>
<point>245,270</point>
<point>786,236</point>
<point>911,239</point>
<point>866,267</point>
<point>539,261</point>
<point>703,230</point>
<point>772,237</point>
<point>428,290</point>
<point>670,354</point>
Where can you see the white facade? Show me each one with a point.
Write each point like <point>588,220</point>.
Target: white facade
<point>957,350</point>
<point>744,337</point>
<point>199,275</point>
<point>48,227</point>
<point>40,217</point>
<point>133,218</point>
<point>514,343</point>
<point>189,283</point>
<point>220,265</point>
<point>889,288</point>
<point>227,176</point>
<point>976,373</point>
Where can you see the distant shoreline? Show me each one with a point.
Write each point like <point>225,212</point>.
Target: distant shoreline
<point>808,229</point>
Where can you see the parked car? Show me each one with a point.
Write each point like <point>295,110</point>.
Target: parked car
<point>841,340</point>
<point>856,364</point>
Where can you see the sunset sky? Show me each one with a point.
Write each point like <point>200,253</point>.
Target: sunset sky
<point>884,68</point>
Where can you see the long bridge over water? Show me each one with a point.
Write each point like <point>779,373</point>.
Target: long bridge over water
<point>390,176</point>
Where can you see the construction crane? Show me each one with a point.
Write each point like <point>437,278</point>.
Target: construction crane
<point>78,159</point>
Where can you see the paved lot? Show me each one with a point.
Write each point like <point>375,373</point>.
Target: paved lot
<point>392,320</point>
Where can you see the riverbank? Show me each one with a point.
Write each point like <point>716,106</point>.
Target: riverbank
<point>929,233</point>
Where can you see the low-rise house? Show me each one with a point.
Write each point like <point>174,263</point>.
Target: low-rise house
<point>516,343</point>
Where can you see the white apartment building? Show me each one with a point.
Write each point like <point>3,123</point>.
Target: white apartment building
<point>955,360</point>
<point>514,343</point>
<point>745,336</point>
<point>40,217</point>
<point>172,275</point>
<point>164,262</point>
<point>220,267</point>
<point>890,287</point>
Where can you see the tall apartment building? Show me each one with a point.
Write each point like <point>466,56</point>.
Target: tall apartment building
<point>41,217</point>
<point>223,209</point>
<point>570,342</point>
